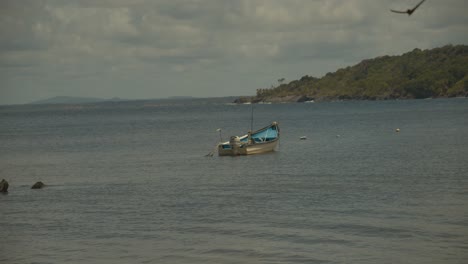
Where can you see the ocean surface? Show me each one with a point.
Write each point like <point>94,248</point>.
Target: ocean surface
<point>128,182</point>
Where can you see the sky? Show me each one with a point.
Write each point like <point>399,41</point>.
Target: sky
<point>138,49</point>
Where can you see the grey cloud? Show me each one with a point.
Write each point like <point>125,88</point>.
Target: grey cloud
<point>112,43</point>
<point>22,28</point>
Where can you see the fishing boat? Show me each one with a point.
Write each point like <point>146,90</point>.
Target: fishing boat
<point>261,141</point>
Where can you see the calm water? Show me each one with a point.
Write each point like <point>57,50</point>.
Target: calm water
<point>130,183</point>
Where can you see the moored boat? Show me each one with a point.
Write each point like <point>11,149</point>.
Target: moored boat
<point>261,141</point>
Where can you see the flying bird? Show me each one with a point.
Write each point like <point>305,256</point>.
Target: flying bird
<point>409,11</point>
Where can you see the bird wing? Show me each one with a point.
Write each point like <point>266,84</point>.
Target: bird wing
<point>400,12</point>
<point>420,3</point>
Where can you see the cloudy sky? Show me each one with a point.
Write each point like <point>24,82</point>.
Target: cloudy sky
<point>137,49</point>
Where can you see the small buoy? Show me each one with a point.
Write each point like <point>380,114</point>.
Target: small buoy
<point>397,130</point>
<point>303,138</point>
<point>338,136</point>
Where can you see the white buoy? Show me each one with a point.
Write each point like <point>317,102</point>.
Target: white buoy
<point>303,138</point>
<point>397,130</point>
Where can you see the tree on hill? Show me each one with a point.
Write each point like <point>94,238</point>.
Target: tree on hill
<point>439,72</point>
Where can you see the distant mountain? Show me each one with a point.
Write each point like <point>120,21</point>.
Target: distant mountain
<point>181,97</point>
<point>68,100</point>
<point>73,100</point>
<point>439,72</point>
<point>173,100</point>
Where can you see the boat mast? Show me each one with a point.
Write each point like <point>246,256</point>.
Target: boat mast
<point>251,126</point>
<point>251,118</point>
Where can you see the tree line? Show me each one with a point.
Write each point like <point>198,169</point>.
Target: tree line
<point>439,72</point>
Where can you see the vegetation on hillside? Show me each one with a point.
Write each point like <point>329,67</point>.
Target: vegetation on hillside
<point>439,72</point>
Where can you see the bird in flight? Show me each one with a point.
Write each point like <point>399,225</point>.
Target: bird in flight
<point>409,11</point>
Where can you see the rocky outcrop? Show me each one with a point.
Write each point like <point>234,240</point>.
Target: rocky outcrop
<point>38,185</point>
<point>243,100</point>
<point>274,99</point>
<point>286,99</point>
<point>4,186</point>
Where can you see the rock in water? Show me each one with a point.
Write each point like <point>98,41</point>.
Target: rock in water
<point>4,186</point>
<point>38,185</point>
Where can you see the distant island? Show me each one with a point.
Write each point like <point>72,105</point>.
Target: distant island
<point>74,100</point>
<point>101,102</point>
<point>181,97</point>
<point>89,100</point>
<point>439,72</point>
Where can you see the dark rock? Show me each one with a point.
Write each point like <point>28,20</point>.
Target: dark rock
<point>303,98</point>
<point>4,186</point>
<point>286,99</point>
<point>38,185</point>
<point>243,100</point>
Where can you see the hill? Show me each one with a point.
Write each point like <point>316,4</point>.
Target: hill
<point>69,100</point>
<point>75,100</point>
<point>439,72</point>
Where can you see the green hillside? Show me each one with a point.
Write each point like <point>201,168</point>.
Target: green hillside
<point>439,72</point>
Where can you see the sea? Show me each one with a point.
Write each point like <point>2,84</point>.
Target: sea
<point>130,182</point>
